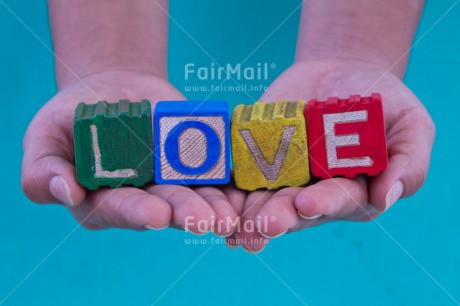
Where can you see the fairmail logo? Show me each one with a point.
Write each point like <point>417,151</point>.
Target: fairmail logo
<point>213,72</point>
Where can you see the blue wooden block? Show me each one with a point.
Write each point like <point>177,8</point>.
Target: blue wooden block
<point>192,142</point>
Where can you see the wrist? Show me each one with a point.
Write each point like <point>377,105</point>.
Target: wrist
<point>114,85</point>
<point>116,80</point>
<point>350,50</point>
<point>90,37</point>
<point>378,32</point>
<point>119,73</point>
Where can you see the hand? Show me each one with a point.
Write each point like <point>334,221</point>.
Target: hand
<point>410,134</point>
<point>48,173</point>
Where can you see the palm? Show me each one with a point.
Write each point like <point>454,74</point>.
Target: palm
<point>409,147</point>
<point>48,152</point>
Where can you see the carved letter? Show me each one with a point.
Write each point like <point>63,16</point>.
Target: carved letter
<point>270,170</point>
<point>333,141</point>
<point>101,173</point>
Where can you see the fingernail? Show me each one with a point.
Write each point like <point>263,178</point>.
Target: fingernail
<point>252,251</point>
<point>310,218</point>
<point>60,190</point>
<point>198,233</point>
<point>233,247</point>
<point>271,237</point>
<point>394,194</point>
<point>149,227</point>
<point>226,235</point>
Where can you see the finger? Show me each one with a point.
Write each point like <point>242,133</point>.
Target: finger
<point>126,207</point>
<point>226,217</point>
<point>190,211</point>
<point>410,141</point>
<point>236,197</point>
<point>279,214</point>
<point>248,234</point>
<point>335,198</point>
<point>48,175</point>
<point>232,241</point>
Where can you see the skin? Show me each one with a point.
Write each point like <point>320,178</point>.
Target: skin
<point>102,55</point>
<point>344,47</point>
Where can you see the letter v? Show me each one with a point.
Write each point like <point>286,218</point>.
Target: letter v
<point>272,170</point>
<point>101,173</point>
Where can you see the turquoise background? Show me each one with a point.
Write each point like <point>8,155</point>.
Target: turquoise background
<point>411,258</point>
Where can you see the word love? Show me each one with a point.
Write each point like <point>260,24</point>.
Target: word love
<point>114,143</point>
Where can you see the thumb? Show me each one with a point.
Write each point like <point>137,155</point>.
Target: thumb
<point>410,141</point>
<point>48,175</point>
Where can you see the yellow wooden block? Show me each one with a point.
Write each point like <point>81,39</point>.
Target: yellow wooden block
<point>269,145</point>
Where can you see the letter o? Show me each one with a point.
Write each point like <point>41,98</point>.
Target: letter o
<point>213,147</point>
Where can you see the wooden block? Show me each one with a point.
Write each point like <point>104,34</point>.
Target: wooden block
<point>113,144</point>
<point>346,137</point>
<point>192,142</point>
<point>269,145</point>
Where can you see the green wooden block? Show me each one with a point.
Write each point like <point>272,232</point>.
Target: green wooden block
<point>113,144</point>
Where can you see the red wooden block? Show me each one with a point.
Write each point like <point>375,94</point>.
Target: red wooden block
<point>346,137</point>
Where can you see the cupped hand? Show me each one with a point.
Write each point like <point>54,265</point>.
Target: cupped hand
<point>410,135</point>
<point>48,172</point>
